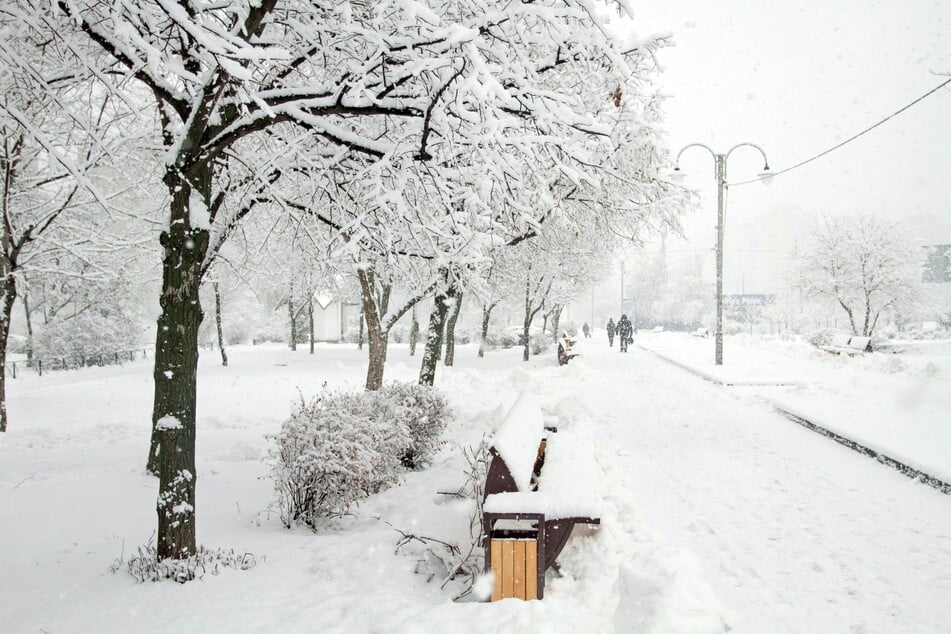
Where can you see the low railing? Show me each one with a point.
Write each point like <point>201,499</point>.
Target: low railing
<point>75,362</point>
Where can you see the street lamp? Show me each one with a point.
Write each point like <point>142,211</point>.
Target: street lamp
<point>720,165</point>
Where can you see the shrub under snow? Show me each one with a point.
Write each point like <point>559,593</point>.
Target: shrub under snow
<point>344,446</point>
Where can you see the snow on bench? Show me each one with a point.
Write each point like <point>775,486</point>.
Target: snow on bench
<point>547,484</point>
<point>516,443</point>
<point>849,344</point>
<point>700,332</point>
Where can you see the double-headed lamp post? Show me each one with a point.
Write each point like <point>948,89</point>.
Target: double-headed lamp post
<point>720,165</point>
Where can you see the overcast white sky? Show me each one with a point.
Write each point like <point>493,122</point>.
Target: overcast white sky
<point>797,78</point>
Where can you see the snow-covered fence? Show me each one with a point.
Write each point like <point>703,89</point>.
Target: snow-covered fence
<point>76,362</point>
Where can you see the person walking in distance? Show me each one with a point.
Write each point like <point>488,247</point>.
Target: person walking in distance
<point>586,329</point>
<point>624,330</point>
<point>611,328</point>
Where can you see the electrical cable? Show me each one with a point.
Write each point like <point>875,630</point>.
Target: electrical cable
<point>848,140</point>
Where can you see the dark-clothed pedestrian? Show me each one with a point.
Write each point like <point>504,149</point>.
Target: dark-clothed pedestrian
<point>624,330</point>
<point>611,328</point>
<point>586,330</point>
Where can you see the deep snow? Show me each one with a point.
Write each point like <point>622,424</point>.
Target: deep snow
<point>716,510</point>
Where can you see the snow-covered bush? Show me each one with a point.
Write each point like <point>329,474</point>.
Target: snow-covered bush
<point>821,337</point>
<point>98,330</point>
<point>344,446</point>
<point>539,342</point>
<point>399,333</point>
<point>425,412</point>
<point>145,565</point>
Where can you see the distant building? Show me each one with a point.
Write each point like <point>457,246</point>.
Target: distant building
<point>331,317</point>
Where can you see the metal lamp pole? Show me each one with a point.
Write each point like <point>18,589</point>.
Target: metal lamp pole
<point>720,161</point>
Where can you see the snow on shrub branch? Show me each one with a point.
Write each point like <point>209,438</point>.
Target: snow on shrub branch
<point>344,446</point>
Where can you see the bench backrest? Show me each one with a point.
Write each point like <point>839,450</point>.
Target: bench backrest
<point>515,448</point>
<point>841,341</point>
<point>861,343</point>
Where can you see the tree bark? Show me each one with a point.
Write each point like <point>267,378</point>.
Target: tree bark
<point>221,339</point>
<point>176,361</point>
<point>437,323</point>
<point>310,320</point>
<point>9,297</point>
<point>555,321</point>
<point>290,314</point>
<point>360,339</point>
<point>451,331</point>
<point>29,329</point>
<point>527,322</point>
<point>413,334</point>
<point>486,315</point>
<point>376,335</point>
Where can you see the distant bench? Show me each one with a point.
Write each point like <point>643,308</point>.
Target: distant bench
<point>538,487</point>
<point>849,345</point>
<point>700,332</point>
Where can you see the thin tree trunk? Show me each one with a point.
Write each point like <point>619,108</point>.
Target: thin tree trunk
<point>527,322</point>
<point>176,361</point>
<point>486,314</point>
<point>221,339</point>
<point>376,336</point>
<point>555,321</point>
<point>360,340</point>
<point>9,297</point>
<point>290,314</point>
<point>451,331</point>
<point>413,334</point>
<point>29,329</point>
<point>310,319</point>
<point>437,323</point>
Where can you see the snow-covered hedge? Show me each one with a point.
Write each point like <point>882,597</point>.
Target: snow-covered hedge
<point>426,414</point>
<point>343,446</point>
<point>98,330</point>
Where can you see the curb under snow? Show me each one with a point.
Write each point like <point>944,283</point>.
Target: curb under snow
<point>903,468</point>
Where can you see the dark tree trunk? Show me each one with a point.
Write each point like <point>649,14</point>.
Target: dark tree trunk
<point>526,348</point>
<point>527,322</point>
<point>290,314</point>
<point>555,321</point>
<point>221,339</point>
<point>29,329</point>
<point>437,324</point>
<point>451,331</point>
<point>176,361</point>
<point>413,334</point>
<point>9,297</point>
<point>310,320</point>
<point>360,339</point>
<point>486,315</point>
<point>377,337</point>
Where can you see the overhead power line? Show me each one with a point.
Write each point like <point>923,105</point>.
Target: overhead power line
<point>848,140</point>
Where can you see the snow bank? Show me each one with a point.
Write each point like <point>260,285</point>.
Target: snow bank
<point>662,590</point>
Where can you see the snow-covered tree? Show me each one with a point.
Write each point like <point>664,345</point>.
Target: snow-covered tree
<point>61,142</point>
<point>864,266</point>
<point>449,93</point>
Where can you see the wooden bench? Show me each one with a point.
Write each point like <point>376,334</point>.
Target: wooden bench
<point>533,499</point>
<point>849,345</point>
<point>700,332</point>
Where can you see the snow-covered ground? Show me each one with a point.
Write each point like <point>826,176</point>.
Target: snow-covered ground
<point>897,403</point>
<point>717,511</point>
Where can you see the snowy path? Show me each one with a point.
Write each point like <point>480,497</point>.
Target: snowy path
<point>795,532</point>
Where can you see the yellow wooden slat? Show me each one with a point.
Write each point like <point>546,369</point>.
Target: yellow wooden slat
<point>518,573</point>
<point>508,565</point>
<point>531,570</point>
<point>495,556</point>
